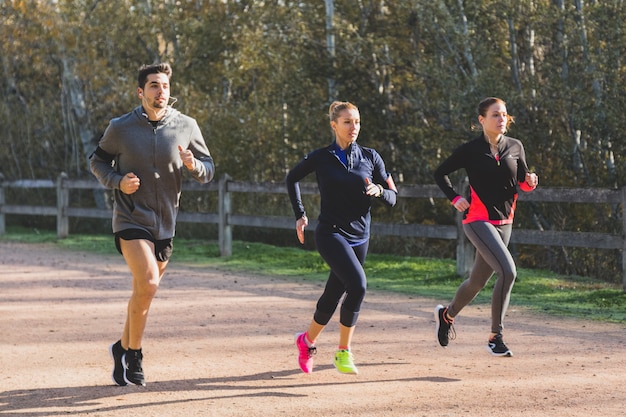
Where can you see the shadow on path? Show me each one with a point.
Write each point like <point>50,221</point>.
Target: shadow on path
<point>60,401</point>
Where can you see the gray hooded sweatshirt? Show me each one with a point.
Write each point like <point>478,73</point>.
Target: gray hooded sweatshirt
<point>132,144</point>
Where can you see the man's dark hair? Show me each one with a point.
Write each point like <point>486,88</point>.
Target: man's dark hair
<point>145,70</point>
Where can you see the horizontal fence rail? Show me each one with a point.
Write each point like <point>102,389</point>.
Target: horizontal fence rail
<point>226,219</point>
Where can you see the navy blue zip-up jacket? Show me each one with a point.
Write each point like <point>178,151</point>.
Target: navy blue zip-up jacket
<point>344,205</point>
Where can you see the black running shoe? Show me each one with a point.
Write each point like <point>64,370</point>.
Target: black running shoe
<point>444,327</point>
<point>133,373</point>
<point>497,347</point>
<point>117,351</point>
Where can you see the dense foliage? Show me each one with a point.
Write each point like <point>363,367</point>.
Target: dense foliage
<point>259,75</point>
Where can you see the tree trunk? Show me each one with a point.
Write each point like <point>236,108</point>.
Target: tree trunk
<point>77,123</point>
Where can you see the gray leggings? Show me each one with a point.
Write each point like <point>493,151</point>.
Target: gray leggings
<point>492,255</point>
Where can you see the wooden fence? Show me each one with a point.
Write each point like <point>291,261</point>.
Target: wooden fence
<point>226,219</point>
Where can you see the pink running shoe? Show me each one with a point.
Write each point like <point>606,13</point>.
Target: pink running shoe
<point>305,357</point>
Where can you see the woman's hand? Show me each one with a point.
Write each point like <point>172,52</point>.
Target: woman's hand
<point>371,189</point>
<point>301,223</point>
<point>461,204</point>
<point>532,179</point>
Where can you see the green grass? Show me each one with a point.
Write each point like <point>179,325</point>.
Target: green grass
<point>539,290</point>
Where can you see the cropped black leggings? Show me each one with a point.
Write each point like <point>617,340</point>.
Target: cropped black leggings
<point>346,276</point>
<point>492,255</point>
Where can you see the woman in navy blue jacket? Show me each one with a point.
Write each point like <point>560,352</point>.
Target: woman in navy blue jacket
<point>349,176</point>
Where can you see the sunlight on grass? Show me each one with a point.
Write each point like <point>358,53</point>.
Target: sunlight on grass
<point>425,277</point>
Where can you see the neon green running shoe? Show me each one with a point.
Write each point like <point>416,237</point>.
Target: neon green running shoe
<point>344,362</point>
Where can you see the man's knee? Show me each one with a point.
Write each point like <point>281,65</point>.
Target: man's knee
<point>146,287</point>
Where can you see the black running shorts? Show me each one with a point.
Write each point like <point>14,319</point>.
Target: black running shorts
<point>162,248</point>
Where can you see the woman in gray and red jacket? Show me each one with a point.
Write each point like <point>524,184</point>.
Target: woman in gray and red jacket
<point>496,168</point>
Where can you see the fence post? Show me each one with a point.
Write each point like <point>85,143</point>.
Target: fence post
<point>2,202</point>
<point>464,249</point>
<point>225,236</point>
<point>624,238</point>
<point>63,200</point>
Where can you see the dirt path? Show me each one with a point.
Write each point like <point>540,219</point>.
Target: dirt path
<point>220,344</point>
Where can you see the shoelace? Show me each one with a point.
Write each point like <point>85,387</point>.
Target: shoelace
<point>312,351</point>
<point>497,342</point>
<point>134,363</point>
<point>451,331</point>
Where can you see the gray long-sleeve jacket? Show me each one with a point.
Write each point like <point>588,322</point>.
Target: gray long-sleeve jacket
<point>132,144</point>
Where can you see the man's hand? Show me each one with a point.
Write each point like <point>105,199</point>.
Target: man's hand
<point>129,183</point>
<point>187,157</point>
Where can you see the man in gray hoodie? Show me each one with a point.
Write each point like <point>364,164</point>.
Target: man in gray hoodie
<point>141,157</point>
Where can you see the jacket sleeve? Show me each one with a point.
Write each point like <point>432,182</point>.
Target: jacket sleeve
<point>522,170</point>
<point>381,176</point>
<point>204,169</point>
<point>453,163</point>
<point>102,158</point>
<point>304,168</point>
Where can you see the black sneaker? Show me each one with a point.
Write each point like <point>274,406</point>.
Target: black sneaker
<point>497,347</point>
<point>444,326</point>
<point>133,373</point>
<point>117,351</point>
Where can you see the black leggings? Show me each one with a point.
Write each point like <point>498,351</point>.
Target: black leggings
<point>346,276</point>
